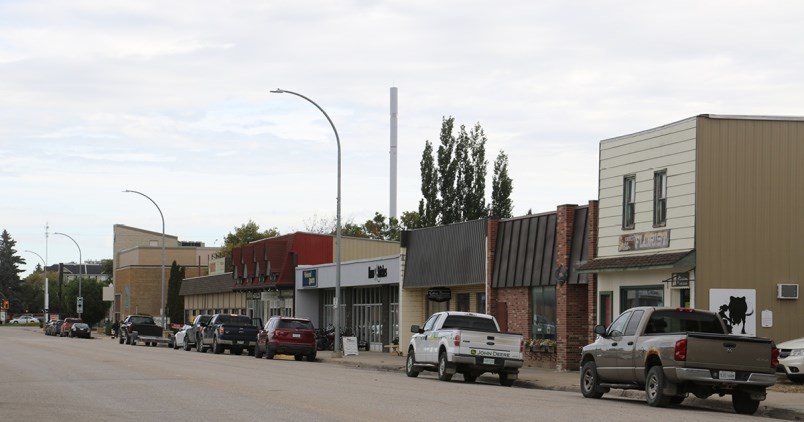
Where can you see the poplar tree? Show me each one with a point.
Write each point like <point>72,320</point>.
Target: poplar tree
<point>429,204</point>
<point>501,188</point>
<point>447,171</point>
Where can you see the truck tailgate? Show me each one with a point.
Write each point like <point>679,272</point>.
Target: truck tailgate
<point>500,345</point>
<point>729,352</point>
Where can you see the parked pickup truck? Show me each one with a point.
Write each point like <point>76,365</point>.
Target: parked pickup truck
<point>674,352</point>
<point>141,327</point>
<point>194,334</point>
<point>467,343</point>
<point>233,332</point>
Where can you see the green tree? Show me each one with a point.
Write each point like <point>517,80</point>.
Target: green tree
<point>33,290</point>
<point>95,308</point>
<point>242,235</point>
<point>429,204</point>
<point>410,220</point>
<point>447,173</point>
<point>501,188</point>
<point>472,175</point>
<point>379,228</point>
<point>10,282</point>
<point>175,303</point>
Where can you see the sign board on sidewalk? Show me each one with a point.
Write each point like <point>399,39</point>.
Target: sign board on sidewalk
<point>350,346</point>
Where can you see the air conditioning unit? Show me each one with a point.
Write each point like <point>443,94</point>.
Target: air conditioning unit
<point>787,291</point>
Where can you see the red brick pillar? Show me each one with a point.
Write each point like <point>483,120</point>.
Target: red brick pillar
<point>565,311</point>
<point>491,241</point>
<point>591,278</point>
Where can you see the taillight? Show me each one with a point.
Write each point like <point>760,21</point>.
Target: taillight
<point>522,345</point>
<point>220,330</point>
<point>680,353</point>
<point>774,357</point>
<point>456,340</point>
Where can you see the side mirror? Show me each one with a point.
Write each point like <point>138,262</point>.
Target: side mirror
<point>415,329</point>
<point>600,330</point>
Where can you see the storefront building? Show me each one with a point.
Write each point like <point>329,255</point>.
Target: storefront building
<point>369,298</point>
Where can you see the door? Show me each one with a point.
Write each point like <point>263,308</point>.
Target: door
<point>502,316</point>
<point>424,341</point>
<point>607,352</point>
<point>625,349</point>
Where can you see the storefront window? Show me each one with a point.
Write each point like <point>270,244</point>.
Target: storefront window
<point>641,296</point>
<point>433,307</point>
<point>481,303</point>
<point>544,312</point>
<point>463,302</point>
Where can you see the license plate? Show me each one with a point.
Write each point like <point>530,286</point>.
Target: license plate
<point>726,375</point>
<point>488,361</point>
<point>296,335</point>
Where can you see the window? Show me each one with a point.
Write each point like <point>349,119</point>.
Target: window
<point>631,328</point>
<point>481,303</point>
<point>544,312</point>
<point>629,201</point>
<point>631,297</point>
<point>463,302</point>
<point>619,324</point>
<point>659,198</point>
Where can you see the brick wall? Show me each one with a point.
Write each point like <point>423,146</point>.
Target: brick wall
<point>591,279</point>
<point>519,310</point>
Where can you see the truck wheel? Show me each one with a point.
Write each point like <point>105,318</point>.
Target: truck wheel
<point>199,345</point>
<point>590,383</point>
<point>442,367</point>
<point>505,380</point>
<point>216,348</point>
<point>654,388</point>
<point>743,404</point>
<point>410,365</point>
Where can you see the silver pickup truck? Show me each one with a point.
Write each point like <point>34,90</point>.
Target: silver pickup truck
<point>674,352</point>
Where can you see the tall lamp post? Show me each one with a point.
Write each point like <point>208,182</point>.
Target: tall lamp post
<point>80,264</point>
<point>162,302</point>
<point>46,310</point>
<point>337,308</point>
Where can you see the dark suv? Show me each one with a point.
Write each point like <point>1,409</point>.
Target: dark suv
<point>287,336</point>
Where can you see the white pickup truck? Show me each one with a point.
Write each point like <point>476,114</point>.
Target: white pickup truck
<point>467,343</point>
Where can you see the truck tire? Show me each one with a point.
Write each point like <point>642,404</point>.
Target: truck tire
<point>410,365</point>
<point>590,382</point>
<point>187,346</point>
<point>505,380</point>
<point>443,375</point>
<point>216,348</point>
<point>654,388</point>
<point>199,345</point>
<point>743,404</point>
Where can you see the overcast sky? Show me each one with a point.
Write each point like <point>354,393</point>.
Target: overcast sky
<point>172,99</point>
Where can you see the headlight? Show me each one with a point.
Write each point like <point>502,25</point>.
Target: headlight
<point>796,352</point>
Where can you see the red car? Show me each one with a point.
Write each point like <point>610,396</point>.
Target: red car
<point>286,336</point>
<point>67,325</point>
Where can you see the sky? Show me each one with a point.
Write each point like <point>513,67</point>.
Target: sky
<point>172,99</point>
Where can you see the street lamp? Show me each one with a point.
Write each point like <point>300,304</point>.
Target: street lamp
<point>338,352</point>
<point>47,297</point>
<point>162,303</point>
<point>80,263</point>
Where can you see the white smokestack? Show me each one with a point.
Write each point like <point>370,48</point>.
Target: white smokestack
<point>394,110</point>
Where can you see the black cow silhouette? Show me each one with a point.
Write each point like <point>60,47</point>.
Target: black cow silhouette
<point>737,312</point>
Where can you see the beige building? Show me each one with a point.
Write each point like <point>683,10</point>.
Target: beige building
<point>705,213</point>
<point>137,267</point>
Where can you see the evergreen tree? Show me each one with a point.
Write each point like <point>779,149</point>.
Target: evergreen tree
<point>501,188</point>
<point>10,281</point>
<point>175,303</point>
<point>429,204</point>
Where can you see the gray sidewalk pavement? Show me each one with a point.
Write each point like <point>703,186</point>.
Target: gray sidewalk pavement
<point>779,404</point>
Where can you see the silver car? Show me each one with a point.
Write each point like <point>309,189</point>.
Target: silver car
<point>791,360</point>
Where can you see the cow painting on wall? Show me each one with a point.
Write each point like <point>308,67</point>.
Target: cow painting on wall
<point>737,309</point>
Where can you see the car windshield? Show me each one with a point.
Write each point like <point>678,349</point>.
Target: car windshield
<point>295,324</point>
<point>470,323</point>
<point>141,320</point>
<point>235,320</point>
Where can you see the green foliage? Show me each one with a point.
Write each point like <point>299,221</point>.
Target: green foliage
<point>501,188</point>
<point>10,283</point>
<point>242,235</point>
<point>429,204</point>
<point>447,172</point>
<point>95,308</point>
<point>175,303</point>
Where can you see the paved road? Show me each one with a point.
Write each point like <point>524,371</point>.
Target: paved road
<point>62,379</point>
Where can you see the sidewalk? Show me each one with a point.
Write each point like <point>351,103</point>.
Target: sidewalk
<point>778,404</point>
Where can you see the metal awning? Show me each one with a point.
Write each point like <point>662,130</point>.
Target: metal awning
<point>684,259</point>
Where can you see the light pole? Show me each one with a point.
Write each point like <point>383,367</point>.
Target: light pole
<point>80,263</point>
<point>338,351</point>
<point>47,297</point>
<point>162,302</point>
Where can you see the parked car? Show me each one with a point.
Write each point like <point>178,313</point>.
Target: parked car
<point>287,336</point>
<point>52,327</point>
<point>671,353</point>
<point>140,327</point>
<point>64,330</point>
<point>791,360</point>
<point>25,319</point>
<point>180,338</point>
<point>80,329</point>
<point>195,334</point>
